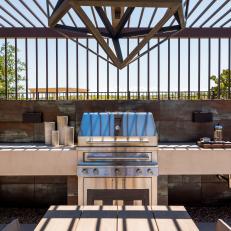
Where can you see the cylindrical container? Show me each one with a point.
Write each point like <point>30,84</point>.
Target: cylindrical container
<point>69,136</point>
<point>218,132</point>
<point>62,122</point>
<point>55,138</point>
<point>48,128</point>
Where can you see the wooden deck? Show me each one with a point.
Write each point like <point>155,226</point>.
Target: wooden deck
<point>116,218</point>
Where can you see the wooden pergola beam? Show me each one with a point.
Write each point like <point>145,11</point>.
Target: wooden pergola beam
<point>82,32</point>
<point>111,31</point>
<point>95,32</point>
<point>123,20</point>
<point>179,15</point>
<point>129,3</point>
<point>153,31</point>
<point>105,20</point>
<point>61,8</point>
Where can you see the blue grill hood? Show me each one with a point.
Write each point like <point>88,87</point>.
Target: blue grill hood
<point>103,124</point>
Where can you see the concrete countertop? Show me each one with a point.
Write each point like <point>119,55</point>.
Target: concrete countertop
<point>44,147</point>
<point>186,146</point>
<point>33,147</point>
<point>173,159</point>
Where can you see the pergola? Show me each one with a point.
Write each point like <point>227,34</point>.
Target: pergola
<point>111,21</point>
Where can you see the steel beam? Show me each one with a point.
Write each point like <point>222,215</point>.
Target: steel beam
<point>123,21</point>
<point>41,32</point>
<point>59,12</point>
<point>129,3</point>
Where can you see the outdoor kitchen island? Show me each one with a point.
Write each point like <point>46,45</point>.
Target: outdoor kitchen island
<point>173,159</point>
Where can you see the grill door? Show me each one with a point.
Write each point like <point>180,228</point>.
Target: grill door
<point>117,191</point>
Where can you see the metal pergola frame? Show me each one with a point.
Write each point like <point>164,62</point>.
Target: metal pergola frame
<point>14,27</point>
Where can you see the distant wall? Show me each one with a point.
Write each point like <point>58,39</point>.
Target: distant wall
<point>173,118</point>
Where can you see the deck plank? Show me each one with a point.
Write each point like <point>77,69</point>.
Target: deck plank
<point>60,218</point>
<point>132,218</point>
<point>100,218</point>
<point>173,218</point>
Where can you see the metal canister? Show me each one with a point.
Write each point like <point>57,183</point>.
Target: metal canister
<point>218,132</point>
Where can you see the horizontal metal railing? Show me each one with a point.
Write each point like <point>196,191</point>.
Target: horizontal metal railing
<point>174,95</point>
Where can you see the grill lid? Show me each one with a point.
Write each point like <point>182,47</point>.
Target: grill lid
<point>118,124</point>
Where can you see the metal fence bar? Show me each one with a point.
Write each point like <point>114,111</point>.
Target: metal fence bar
<point>138,73</point>
<point>199,67</point>
<point>169,65</point>
<point>108,84</point>
<point>77,68</point>
<point>219,68</point>
<point>6,70</point>
<point>97,70</point>
<point>57,67</point>
<point>118,83</point>
<point>36,68</point>
<point>67,69</point>
<point>179,68</point>
<point>16,67</point>
<point>158,67</point>
<point>46,69</point>
<point>148,66</point>
<point>87,67</point>
<point>128,71</point>
<point>229,68</point>
<point>189,67</point>
<point>26,66</point>
<point>209,67</point>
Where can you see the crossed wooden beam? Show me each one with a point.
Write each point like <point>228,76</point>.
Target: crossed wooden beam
<point>114,32</point>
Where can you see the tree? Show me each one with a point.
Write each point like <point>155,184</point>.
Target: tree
<point>10,71</point>
<point>225,83</point>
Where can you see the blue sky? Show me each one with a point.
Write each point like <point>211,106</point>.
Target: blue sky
<point>133,66</point>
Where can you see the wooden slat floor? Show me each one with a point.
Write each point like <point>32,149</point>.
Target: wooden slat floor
<point>116,218</point>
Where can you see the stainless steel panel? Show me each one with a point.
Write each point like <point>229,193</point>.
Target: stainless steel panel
<point>96,169</point>
<point>128,141</point>
<point>117,156</point>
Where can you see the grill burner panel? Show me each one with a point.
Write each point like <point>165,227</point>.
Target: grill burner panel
<point>116,169</point>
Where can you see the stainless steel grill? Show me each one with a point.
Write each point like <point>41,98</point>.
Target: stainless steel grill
<point>117,145</point>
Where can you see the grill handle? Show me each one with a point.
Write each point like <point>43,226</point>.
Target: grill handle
<point>134,158</point>
<point>116,141</point>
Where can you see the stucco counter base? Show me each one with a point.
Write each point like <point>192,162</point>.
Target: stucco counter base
<point>173,159</point>
<point>189,159</point>
<point>36,160</point>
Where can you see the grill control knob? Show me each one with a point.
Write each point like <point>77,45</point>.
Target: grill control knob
<point>96,171</point>
<point>85,171</point>
<point>150,172</point>
<point>138,171</point>
<point>117,171</point>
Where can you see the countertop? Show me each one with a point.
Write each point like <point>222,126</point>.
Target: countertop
<point>33,147</point>
<point>43,147</point>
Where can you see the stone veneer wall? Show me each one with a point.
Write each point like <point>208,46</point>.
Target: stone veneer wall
<point>173,118</point>
<point>26,191</point>
<point>174,124</point>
